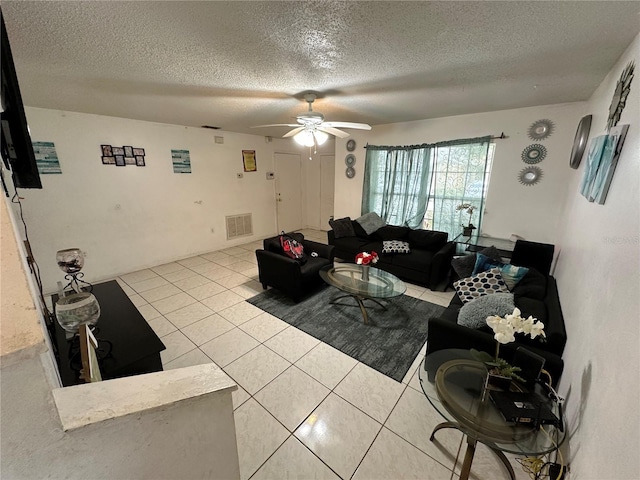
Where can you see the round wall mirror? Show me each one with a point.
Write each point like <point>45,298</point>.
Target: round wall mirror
<point>541,129</point>
<point>580,141</point>
<point>530,176</point>
<point>534,153</point>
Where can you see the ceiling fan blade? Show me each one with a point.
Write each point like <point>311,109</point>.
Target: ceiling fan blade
<point>293,132</point>
<point>278,125</point>
<point>332,131</point>
<point>359,126</point>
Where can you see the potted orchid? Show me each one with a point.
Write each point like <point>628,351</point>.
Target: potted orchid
<point>366,259</point>
<point>467,230</point>
<point>504,328</point>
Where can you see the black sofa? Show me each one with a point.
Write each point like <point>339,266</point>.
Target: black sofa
<point>428,264</point>
<point>277,270</point>
<point>536,295</point>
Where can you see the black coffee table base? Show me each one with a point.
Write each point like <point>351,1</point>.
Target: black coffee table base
<point>471,450</point>
<point>360,300</point>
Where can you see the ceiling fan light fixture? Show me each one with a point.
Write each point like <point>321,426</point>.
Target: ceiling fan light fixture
<point>321,137</point>
<point>310,138</point>
<point>304,138</point>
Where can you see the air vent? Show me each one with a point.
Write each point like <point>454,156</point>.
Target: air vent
<point>239,226</point>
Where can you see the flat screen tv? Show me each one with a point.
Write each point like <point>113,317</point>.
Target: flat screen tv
<point>17,150</point>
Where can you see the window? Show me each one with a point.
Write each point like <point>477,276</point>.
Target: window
<point>461,175</point>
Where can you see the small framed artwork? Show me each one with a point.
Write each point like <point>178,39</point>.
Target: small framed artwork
<point>117,151</point>
<point>128,151</point>
<point>249,161</point>
<point>130,160</point>
<point>108,160</point>
<point>119,160</point>
<point>138,151</point>
<point>106,151</point>
<point>139,160</point>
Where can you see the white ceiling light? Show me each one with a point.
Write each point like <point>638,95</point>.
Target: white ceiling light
<point>310,138</point>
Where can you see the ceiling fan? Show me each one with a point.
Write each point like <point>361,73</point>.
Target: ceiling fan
<point>311,128</point>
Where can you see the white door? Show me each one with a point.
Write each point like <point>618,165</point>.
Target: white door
<point>288,192</point>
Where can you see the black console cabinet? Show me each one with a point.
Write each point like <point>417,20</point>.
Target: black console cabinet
<point>135,348</point>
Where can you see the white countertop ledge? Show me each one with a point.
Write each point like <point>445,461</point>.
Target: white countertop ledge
<point>90,403</point>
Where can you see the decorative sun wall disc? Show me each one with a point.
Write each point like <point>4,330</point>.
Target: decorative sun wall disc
<point>540,129</point>
<point>534,153</point>
<point>530,176</point>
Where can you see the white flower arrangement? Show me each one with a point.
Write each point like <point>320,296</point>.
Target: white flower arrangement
<point>504,329</point>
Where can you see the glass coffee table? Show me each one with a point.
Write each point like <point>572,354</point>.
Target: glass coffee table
<point>454,384</point>
<point>373,285</point>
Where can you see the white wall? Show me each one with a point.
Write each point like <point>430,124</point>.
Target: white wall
<point>128,218</point>
<point>599,284</point>
<point>532,212</point>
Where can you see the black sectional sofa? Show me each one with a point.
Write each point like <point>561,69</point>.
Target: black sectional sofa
<point>536,295</point>
<point>428,264</point>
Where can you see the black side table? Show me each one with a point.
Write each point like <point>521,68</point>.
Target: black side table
<point>134,346</point>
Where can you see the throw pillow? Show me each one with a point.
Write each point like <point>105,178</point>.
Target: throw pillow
<point>342,227</point>
<point>485,283</point>
<point>474,313</point>
<point>390,232</point>
<point>371,222</point>
<point>512,274</point>
<point>532,285</point>
<point>428,239</point>
<point>463,266</point>
<point>484,263</point>
<point>395,246</point>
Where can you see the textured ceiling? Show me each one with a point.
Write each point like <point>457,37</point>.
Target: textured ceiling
<point>238,64</point>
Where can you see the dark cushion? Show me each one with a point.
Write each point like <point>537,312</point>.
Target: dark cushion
<point>389,247</point>
<point>371,222</point>
<point>532,307</point>
<point>533,285</point>
<point>310,269</point>
<point>427,239</point>
<point>390,232</point>
<point>359,230</point>
<point>463,266</point>
<point>350,244</point>
<point>417,260</point>
<point>342,227</point>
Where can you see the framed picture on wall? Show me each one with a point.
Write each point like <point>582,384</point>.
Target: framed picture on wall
<point>249,161</point>
<point>117,151</point>
<point>109,160</point>
<point>140,160</point>
<point>138,151</point>
<point>130,160</point>
<point>106,151</point>
<point>119,160</point>
<point>128,151</point>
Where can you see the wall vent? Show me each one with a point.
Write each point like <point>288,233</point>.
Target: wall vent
<point>239,225</point>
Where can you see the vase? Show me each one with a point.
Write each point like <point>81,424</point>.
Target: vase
<point>467,231</point>
<point>76,309</point>
<point>365,273</point>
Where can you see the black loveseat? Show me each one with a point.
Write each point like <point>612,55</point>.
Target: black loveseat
<point>277,270</point>
<point>536,295</point>
<point>428,264</point>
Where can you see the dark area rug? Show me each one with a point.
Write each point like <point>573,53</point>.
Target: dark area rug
<point>389,346</point>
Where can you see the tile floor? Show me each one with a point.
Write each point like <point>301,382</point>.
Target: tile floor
<point>302,409</point>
